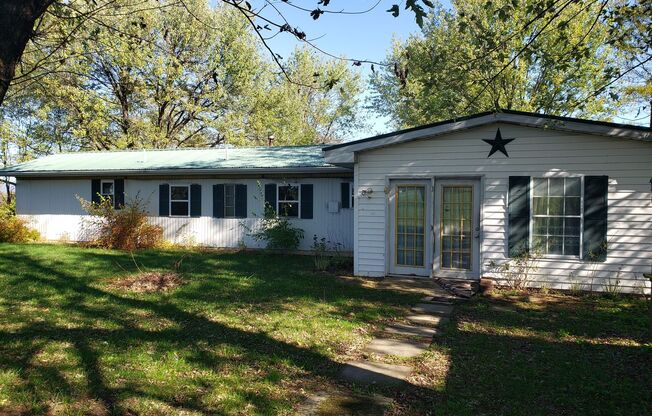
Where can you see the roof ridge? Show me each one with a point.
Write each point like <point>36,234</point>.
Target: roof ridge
<point>321,145</point>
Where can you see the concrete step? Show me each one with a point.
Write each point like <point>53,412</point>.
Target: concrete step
<point>397,347</point>
<point>365,372</point>
<point>410,330</point>
<point>433,308</point>
<point>426,319</point>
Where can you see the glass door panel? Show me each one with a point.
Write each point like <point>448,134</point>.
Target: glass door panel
<point>410,225</point>
<point>457,227</point>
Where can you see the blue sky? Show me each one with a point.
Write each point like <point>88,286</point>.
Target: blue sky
<point>359,36</point>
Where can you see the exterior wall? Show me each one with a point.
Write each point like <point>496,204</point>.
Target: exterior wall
<point>535,152</point>
<point>51,207</point>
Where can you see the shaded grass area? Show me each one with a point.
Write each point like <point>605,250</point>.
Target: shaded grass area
<point>248,333</point>
<point>541,355</point>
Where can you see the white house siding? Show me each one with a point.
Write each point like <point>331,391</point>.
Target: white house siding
<point>51,207</point>
<point>534,152</point>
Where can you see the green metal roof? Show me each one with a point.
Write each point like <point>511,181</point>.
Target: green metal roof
<point>289,158</point>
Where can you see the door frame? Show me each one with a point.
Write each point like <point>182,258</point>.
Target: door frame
<point>390,233</point>
<point>476,246</point>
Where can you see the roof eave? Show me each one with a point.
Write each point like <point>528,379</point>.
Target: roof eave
<point>176,172</point>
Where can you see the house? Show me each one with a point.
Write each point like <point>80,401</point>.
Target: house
<point>454,199</point>
<point>209,197</point>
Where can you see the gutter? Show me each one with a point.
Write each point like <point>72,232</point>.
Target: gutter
<point>177,172</point>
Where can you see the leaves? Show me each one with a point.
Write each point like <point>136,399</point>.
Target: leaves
<point>315,14</point>
<point>394,10</point>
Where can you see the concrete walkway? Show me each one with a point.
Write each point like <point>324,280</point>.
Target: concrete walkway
<point>406,339</point>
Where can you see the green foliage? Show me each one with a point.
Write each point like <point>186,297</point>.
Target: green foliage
<point>517,272</point>
<point>125,229</point>
<point>12,228</point>
<point>484,55</point>
<point>278,232</point>
<point>328,255</point>
<point>156,74</point>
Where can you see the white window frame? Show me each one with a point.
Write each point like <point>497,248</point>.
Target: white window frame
<point>112,194</point>
<point>232,185</point>
<point>179,200</point>
<point>581,216</point>
<point>298,200</point>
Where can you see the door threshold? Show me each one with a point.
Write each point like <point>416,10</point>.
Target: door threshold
<point>411,276</point>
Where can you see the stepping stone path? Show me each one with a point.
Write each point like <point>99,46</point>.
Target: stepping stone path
<point>402,339</point>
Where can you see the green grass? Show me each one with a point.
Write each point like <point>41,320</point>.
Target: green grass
<point>248,334</point>
<point>256,333</point>
<point>542,355</point>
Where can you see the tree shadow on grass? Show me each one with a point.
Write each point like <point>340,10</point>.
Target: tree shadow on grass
<point>99,333</point>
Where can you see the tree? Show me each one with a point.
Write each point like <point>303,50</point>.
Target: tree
<point>175,77</point>
<point>469,60</point>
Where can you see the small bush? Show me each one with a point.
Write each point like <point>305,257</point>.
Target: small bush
<point>123,229</point>
<point>14,229</point>
<point>278,232</point>
<point>328,255</point>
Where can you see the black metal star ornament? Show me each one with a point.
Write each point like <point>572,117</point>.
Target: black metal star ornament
<point>498,144</point>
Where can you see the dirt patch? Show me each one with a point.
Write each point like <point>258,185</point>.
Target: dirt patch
<point>149,282</point>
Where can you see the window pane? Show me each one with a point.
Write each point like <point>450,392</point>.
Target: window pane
<point>229,211</point>
<point>573,186</point>
<point>555,206</point>
<point>556,226</point>
<point>540,205</point>
<point>572,246</point>
<point>179,208</point>
<point>572,205</point>
<point>572,227</point>
<point>288,209</point>
<point>539,243</point>
<point>288,193</point>
<point>179,192</point>
<point>540,226</point>
<point>555,245</point>
<point>107,188</point>
<point>556,187</point>
<point>540,187</point>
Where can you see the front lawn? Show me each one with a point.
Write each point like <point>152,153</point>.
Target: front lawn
<point>255,333</point>
<point>247,334</point>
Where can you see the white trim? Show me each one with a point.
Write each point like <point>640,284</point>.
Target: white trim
<point>112,182</point>
<point>179,200</point>
<point>298,200</point>
<point>581,216</point>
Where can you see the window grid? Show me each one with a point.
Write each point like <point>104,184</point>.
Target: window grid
<point>288,207</point>
<point>229,200</point>
<point>111,186</point>
<point>559,232</point>
<point>457,224</point>
<point>178,203</point>
<point>410,225</point>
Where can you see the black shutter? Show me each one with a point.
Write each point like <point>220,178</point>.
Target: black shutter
<point>346,194</point>
<point>519,215</point>
<point>195,200</point>
<point>119,190</point>
<point>218,201</point>
<point>241,201</point>
<point>95,191</point>
<point>306,201</point>
<point>594,240</point>
<point>270,195</point>
<point>164,200</point>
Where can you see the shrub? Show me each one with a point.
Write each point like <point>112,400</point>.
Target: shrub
<point>125,229</point>
<point>14,229</point>
<point>517,273</point>
<point>278,232</point>
<point>328,255</point>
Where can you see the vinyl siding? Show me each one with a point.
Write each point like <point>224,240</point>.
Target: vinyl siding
<point>51,207</point>
<point>535,152</point>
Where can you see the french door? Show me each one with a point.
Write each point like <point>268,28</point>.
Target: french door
<point>410,244</point>
<point>457,229</point>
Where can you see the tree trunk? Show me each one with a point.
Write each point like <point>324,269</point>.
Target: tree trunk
<point>17,18</point>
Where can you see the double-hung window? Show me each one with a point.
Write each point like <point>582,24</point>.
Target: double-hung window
<point>288,201</point>
<point>352,195</point>
<point>229,201</point>
<point>557,215</point>
<point>179,200</point>
<point>107,189</point>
